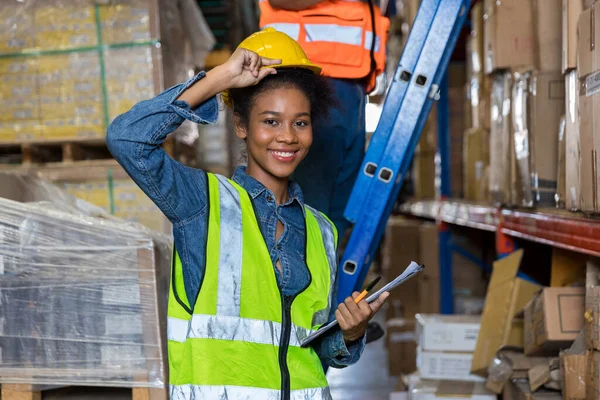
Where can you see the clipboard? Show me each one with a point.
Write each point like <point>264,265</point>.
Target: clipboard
<point>410,271</point>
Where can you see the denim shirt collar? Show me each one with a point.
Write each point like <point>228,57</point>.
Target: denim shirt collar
<point>255,188</point>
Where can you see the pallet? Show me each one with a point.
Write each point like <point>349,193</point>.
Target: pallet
<point>42,152</point>
<point>33,392</point>
<point>69,151</point>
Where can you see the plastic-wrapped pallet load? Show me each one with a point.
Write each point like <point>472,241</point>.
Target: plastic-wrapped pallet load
<point>500,138</point>
<point>81,298</point>
<point>538,102</point>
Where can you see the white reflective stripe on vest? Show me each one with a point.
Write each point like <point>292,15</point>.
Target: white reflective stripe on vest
<point>177,329</point>
<point>290,29</point>
<point>321,317</point>
<point>197,392</point>
<point>369,41</point>
<point>230,253</point>
<point>231,328</point>
<point>352,35</point>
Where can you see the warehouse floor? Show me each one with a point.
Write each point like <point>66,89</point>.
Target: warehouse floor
<point>368,379</point>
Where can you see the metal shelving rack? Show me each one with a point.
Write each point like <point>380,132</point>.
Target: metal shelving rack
<point>556,228</point>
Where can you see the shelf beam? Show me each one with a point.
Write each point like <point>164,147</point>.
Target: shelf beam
<point>557,228</point>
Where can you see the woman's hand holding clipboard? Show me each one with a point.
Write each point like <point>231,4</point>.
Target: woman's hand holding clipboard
<point>412,270</point>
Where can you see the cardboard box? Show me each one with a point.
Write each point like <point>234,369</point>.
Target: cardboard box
<point>592,391</point>
<point>520,390</point>
<point>401,346</point>
<point>553,319</point>
<point>561,180</point>
<point>449,390</point>
<point>500,138</point>
<point>592,314</point>
<point>588,62</point>
<point>476,158</point>
<point>447,332</point>
<point>508,35</point>
<point>545,374</point>
<point>572,139</point>
<point>476,43</point>
<point>446,366</point>
<point>400,247</point>
<point>423,175</point>
<point>567,268</point>
<point>510,363</point>
<point>522,35</point>
<point>571,9</point>
<point>405,241</point>
<point>537,106</point>
<point>547,16</point>
<point>507,294</point>
<point>573,375</point>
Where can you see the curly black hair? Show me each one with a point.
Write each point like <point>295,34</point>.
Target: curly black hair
<point>315,87</point>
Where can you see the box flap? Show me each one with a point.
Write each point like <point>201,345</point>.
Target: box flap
<point>506,268</point>
<point>539,375</point>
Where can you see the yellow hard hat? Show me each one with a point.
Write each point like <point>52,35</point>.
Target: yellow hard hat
<point>270,43</point>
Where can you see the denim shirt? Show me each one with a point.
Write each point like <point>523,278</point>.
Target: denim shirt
<point>135,139</point>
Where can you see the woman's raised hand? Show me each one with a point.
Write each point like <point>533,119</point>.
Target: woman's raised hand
<point>244,68</point>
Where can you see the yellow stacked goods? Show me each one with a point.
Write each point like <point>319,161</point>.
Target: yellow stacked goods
<point>58,83</point>
<point>127,199</point>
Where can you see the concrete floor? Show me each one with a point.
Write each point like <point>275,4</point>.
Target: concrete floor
<point>368,379</point>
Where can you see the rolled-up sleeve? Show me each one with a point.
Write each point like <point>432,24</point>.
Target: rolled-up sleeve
<point>135,139</point>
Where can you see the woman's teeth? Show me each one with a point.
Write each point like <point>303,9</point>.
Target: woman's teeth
<point>284,153</point>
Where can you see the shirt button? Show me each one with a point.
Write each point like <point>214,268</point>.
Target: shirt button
<point>269,198</point>
<point>278,247</point>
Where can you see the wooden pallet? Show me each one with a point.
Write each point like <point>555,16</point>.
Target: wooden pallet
<point>31,392</point>
<point>58,151</point>
<point>42,152</point>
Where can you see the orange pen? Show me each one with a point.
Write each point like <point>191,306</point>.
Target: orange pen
<point>367,290</point>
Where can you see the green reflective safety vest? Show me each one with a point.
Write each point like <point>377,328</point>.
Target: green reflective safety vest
<point>242,338</point>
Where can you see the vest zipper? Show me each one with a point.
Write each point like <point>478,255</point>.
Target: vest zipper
<point>284,344</point>
<point>286,314</point>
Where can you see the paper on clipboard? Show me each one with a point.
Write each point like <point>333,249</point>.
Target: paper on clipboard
<point>410,271</point>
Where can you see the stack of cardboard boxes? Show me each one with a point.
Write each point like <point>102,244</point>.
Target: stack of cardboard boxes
<point>476,136</point>
<point>582,106</point>
<point>591,334</point>
<point>522,56</point>
<point>444,354</point>
<point>409,240</point>
<point>525,327</point>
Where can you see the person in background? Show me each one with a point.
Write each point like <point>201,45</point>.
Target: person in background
<point>337,35</point>
<point>254,267</point>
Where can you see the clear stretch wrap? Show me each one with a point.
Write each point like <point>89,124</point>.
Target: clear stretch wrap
<point>82,299</point>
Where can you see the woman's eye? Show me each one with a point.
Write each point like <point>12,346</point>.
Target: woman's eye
<point>301,123</point>
<point>270,122</point>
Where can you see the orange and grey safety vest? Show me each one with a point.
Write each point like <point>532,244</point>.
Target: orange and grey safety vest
<point>336,35</point>
<point>242,338</point>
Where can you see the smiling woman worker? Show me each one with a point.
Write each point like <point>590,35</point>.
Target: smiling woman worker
<point>254,266</point>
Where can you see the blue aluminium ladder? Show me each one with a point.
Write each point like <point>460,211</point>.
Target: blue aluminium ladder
<point>409,99</point>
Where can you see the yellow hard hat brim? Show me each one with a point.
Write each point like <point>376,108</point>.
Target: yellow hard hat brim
<point>270,43</point>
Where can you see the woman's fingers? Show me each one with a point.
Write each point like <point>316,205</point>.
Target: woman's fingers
<point>376,305</point>
<point>341,320</point>
<point>269,61</point>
